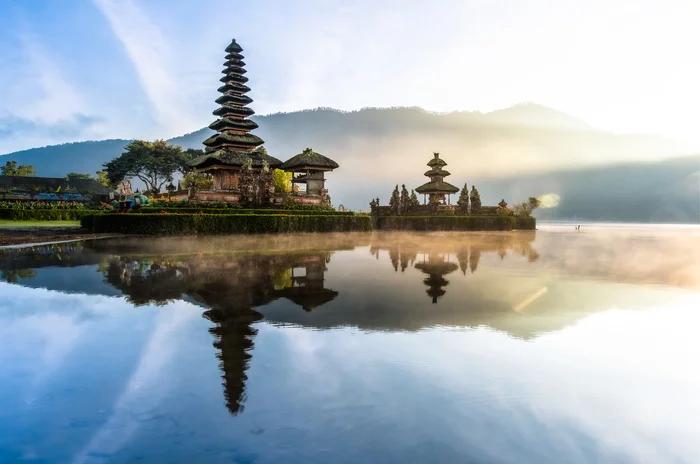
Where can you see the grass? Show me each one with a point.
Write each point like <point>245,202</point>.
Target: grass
<point>4,224</point>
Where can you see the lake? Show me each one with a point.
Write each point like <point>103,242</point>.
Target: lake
<point>557,346</point>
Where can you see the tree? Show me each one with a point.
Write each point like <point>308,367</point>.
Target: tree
<point>152,162</point>
<point>77,176</point>
<point>395,200</point>
<point>11,169</point>
<point>103,179</point>
<point>414,199</point>
<point>405,200</point>
<point>197,181</point>
<point>525,209</point>
<point>474,200</point>
<point>463,201</point>
<point>282,181</point>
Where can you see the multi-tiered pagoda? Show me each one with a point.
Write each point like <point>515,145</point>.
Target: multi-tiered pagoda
<point>236,160</point>
<point>437,188</point>
<point>234,156</point>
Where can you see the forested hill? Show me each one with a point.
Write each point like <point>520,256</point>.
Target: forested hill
<point>505,152</point>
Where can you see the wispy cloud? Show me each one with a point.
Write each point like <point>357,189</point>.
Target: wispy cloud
<point>150,55</point>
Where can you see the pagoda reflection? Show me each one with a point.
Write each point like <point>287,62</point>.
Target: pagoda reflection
<point>441,258</point>
<point>232,287</point>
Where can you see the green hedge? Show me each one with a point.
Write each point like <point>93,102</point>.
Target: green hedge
<point>177,224</point>
<point>525,223</point>
<point>43,214</point>
<point>260,211</point>
<point>428,223</point>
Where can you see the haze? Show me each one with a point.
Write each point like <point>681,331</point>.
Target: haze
<point>149,68</point>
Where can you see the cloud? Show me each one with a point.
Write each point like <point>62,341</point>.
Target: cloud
<point>150,55</point>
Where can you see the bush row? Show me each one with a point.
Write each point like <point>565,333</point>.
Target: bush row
<point>42,214</point>
<point>176,224</point>
<point>429,223</point>
<point>159,203</point>
<point>261,211</point>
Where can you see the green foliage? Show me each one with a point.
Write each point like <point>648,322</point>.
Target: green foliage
<point>463,201</point>
<point>404,200</point>
<point>474,200</point>
<point>77,176</point>
<point>189,155</point>
<point>525,209</point>
<point>152,162</point>
<point>414,199</point>
<point>395,200</point>
<point>282,181</point>
<point>234,211</point>
<point>103,179</point>
<point>32,205</point>
<point>197,181</point>
<point>43,214</point>
<point>177,224</point>
<point>12,169</point>
<point>430,223</point>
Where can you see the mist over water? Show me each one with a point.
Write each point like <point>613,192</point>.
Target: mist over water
<point>559,345</point>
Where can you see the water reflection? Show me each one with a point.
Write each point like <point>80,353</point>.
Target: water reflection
<point>236,281</point>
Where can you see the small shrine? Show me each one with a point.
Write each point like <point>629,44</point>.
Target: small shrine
<point>437,189</point>
<point>308,169</point>
<point>239,165</point>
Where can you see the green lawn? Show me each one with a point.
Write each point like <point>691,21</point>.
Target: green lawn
<point>4,224</point>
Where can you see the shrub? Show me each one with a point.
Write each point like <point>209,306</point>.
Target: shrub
<point>176,224</point>
<point>258,211</point>
<point>33,205</point>
<point>43,214</point>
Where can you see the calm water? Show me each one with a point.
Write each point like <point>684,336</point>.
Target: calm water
<point>556,346</point>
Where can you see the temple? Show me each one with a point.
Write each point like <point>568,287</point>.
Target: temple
<point>239,165</point>
<point>437,188</point>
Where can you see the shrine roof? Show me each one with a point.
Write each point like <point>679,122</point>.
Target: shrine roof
<point>247,140</point>
<point>235,158</point>
<point>234,47</point>
<point>437,172</point>
<point>437,187</point>
<point>311,159</point>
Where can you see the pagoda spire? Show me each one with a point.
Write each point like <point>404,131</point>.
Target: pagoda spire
<point>437,188</point>
<point>233,128</point>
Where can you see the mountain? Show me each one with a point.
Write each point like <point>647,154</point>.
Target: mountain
<point>513,153</point>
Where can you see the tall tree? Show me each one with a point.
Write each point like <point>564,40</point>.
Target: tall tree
<point>474,200</point>
<point>12,169</point>
<point>152,162</point>
<point>405,200</point>
<point>463,201</point>
<point>395,200</point>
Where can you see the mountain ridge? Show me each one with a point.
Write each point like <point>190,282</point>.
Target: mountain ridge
<point>516,151</point>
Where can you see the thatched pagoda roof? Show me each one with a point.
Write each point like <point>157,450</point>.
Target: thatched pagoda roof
<point>234,47</point>
<point>233,87</point>
<point>236,124</point>
<point>309,159</point>
<point>436,161</point>
<point>235,77</point>
<point>226,138</point>
<point>235,158</point>
<point>43,184</point>
<point>437,172</point>
<point>437,187</point>
<point>233,67</point>
<point>233,56</point>
<point>228,108</point>
<point>236,99</point>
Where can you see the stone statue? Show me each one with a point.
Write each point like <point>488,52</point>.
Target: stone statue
<point>125,187</point>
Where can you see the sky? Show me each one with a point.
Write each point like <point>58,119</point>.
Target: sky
<point>74,70</point>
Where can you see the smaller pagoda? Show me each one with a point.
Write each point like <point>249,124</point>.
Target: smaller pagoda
<point>308,168</point>
<point>437,188</point>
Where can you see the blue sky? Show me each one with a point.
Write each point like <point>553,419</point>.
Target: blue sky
<point>93,69</point>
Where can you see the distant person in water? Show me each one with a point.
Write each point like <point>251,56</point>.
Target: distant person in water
<point>578,228</point>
